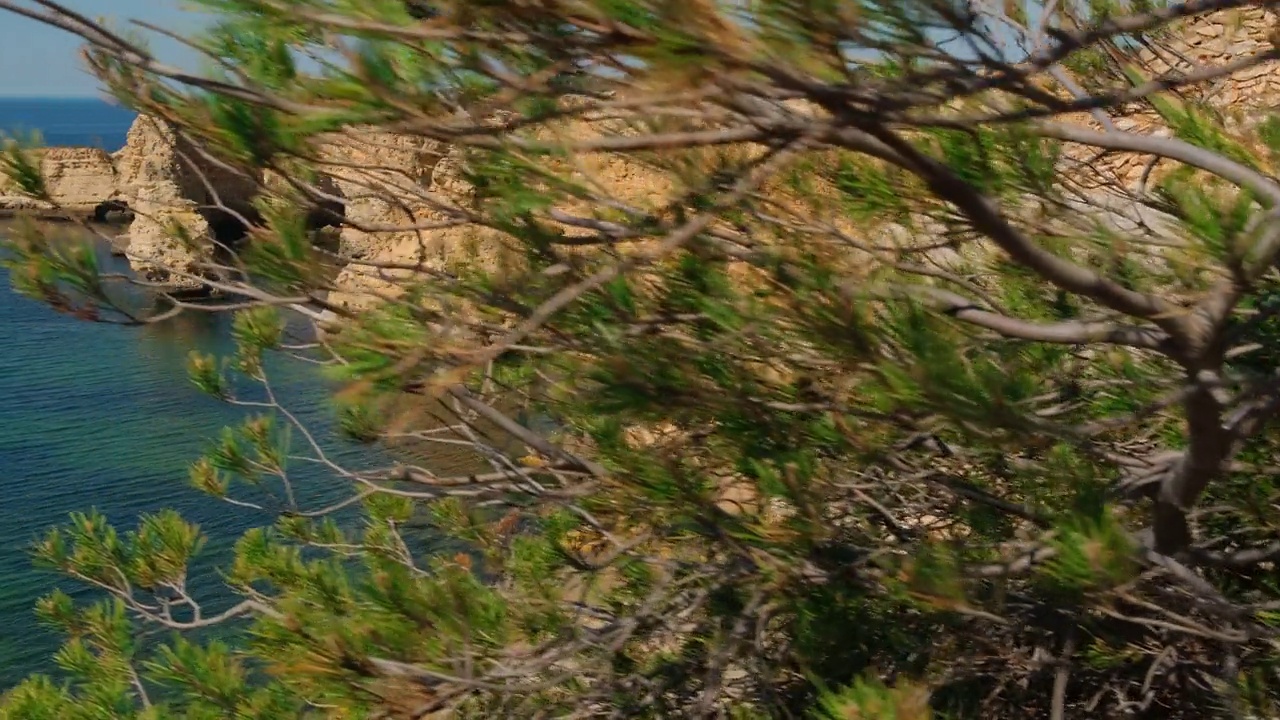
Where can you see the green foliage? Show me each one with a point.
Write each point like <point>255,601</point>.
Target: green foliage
<point>19,166</point>
<point>868,191</point>
<point>360,420</point>
<point>874,701</point>
<point>1197,126</point>
<point>255,330</point>
<point>1092,556</point>
<point>283,256</point>
<point>206,374</point>
<point>1218,217</point>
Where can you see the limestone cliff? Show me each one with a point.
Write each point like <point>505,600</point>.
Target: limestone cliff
<point>177,193</point>
<point>427,226</point>
<point>1212,39</point>
<point>401,195</point>
<point>154,155</point>
<point>364,166</point>
<point>78,179</point>
<point>1215,39</point>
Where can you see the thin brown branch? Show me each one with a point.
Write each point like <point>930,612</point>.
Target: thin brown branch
<point>1072,332</point>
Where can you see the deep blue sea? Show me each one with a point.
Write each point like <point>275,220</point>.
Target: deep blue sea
<point>67,121</point>
<point>100,416</point>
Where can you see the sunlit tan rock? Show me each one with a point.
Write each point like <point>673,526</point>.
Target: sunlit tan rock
<point>78,179</point>
<point>171,184</point>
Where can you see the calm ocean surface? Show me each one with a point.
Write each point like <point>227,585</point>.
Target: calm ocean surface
<point>99,416</point>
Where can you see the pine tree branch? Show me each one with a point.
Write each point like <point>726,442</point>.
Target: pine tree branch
<point>1167,147</point>
<point>1070,333</point>
<point>987,218</point>
<point>1239,559</point>
<point>1171,80</point>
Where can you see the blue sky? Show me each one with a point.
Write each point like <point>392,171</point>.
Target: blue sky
<point>40,61</point>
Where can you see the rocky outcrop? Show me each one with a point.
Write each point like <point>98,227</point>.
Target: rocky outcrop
<point>78,180</point>
<point>155,156</point>
<point>403,197</point>
<point>318,194</point>
<point>408,201</point>
<point>1214,39</point>
<point>181,199</point>
<point>365,168</point>
<point>179,196</point>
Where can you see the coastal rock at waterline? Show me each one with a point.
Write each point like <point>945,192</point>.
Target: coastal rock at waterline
<point>79,180</point>
<point>156,251</point>
<point>175,189</point>
<point>119,245</point>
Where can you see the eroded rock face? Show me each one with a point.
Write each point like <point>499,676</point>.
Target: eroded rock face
<point>318,194</point>
<point>168,183</point>
<point>78,180</point>
<point>424,228</point>
<point>365,167</point>
<point>1244,97</point>
<point>157,255</point>
<point>174,189</point>
<point>396,190</point>
<point>157,164</point>
<point>1218,36</point>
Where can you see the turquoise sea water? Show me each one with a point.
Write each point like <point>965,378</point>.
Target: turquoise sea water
<point>99,416</point>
